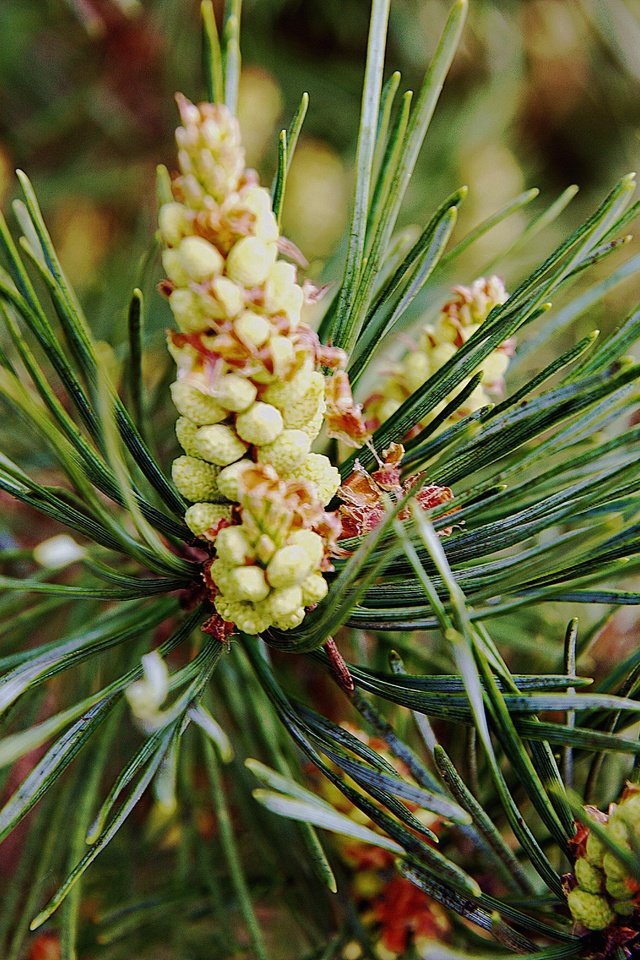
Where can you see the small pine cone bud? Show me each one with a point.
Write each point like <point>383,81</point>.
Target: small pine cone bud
<point>235,393</point>
<point>494,366</point>
<point>198,407</point>
<point>594,850</point>
<point>249,583</point>
<point>625,908</point>
<point>319,471</point>
<point>628,810</point>
<point>250,261</point>
<point>200,260</point>
<point>286,452</point>
<point>219,444</point>
<point>186,432</point>
<point>589,877</point>
<point>312,544</point>
<point>229,477</point>
<point>252,329</point>
<point>249,617</point>
<point>233,546</point>
<point>265,548</point>
<point>220,572</point>
<point>314,589</point>
<point>617,888</point>
<point>224,299</point>
<point>260,424</point>
<point>285,601</point>
<point>416,367</point>
<point>613,868</point>
<point>289,621</point>
<point>257,201</point>
<point>186,308</point>
<point>284,394</point>
<point>281,292</point>
<point>282,355</point>
<point>201,517</point>
<point>289,565</point>
<point>174,223</point>
<point>299,414</point>
<point>174,267</point>
<point>592,911</point>
<point>195,479</point>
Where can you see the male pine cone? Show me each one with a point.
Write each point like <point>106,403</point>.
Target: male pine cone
<point>250,388</point>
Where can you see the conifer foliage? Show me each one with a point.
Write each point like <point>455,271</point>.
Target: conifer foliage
<point>271,672</point>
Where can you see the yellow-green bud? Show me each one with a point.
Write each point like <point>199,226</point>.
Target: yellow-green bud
<point>319,471</point>
<point>195,479</point>
<point>287,451</point>
<point>260,424</point>
<point>200,259</point>
<point>247,616</point>
<point>186,433</point>
<point>312,544</point>
<point>235,393</point>
<point>223,299</point>
<point>281,293</point>
<point>286,393</point>
<point>220,444</point>
<point>258,201</point>
<point>614,869</point>
<point>314,589</point>
<point>202,516</point>
<point>289,621</point>
<point>250,261</point>
<point>284,601</point>
<point>186,308</point>
<point>229,477</point>
<point>494,366</point>
<point>617,888</point>
<point>173,223</point>
<point>174,267</point>
<point>594,850</point>
<point>233,546</point>
<point>221,571</point>
<point>289,565</point>
<point>625,908</point>
<point>629,811</point>
<point>592,911</point>
<point>265,548</point>
<point>300,413</point>
<point>198,407</point>
<point>252,328</point>
<point>281,350</point>
<point>589,877</point>
<point>249,583</point>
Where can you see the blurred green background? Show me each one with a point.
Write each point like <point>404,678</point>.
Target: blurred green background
<point>543,92</point>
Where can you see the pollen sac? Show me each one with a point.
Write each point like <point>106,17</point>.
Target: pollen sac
<point>195,405</point>
<point>203,518</point>
<point>195,479</point>
<point>220,444</point>
<point>260,424</point>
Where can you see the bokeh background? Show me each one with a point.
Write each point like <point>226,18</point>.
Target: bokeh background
<point>542,93</point>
